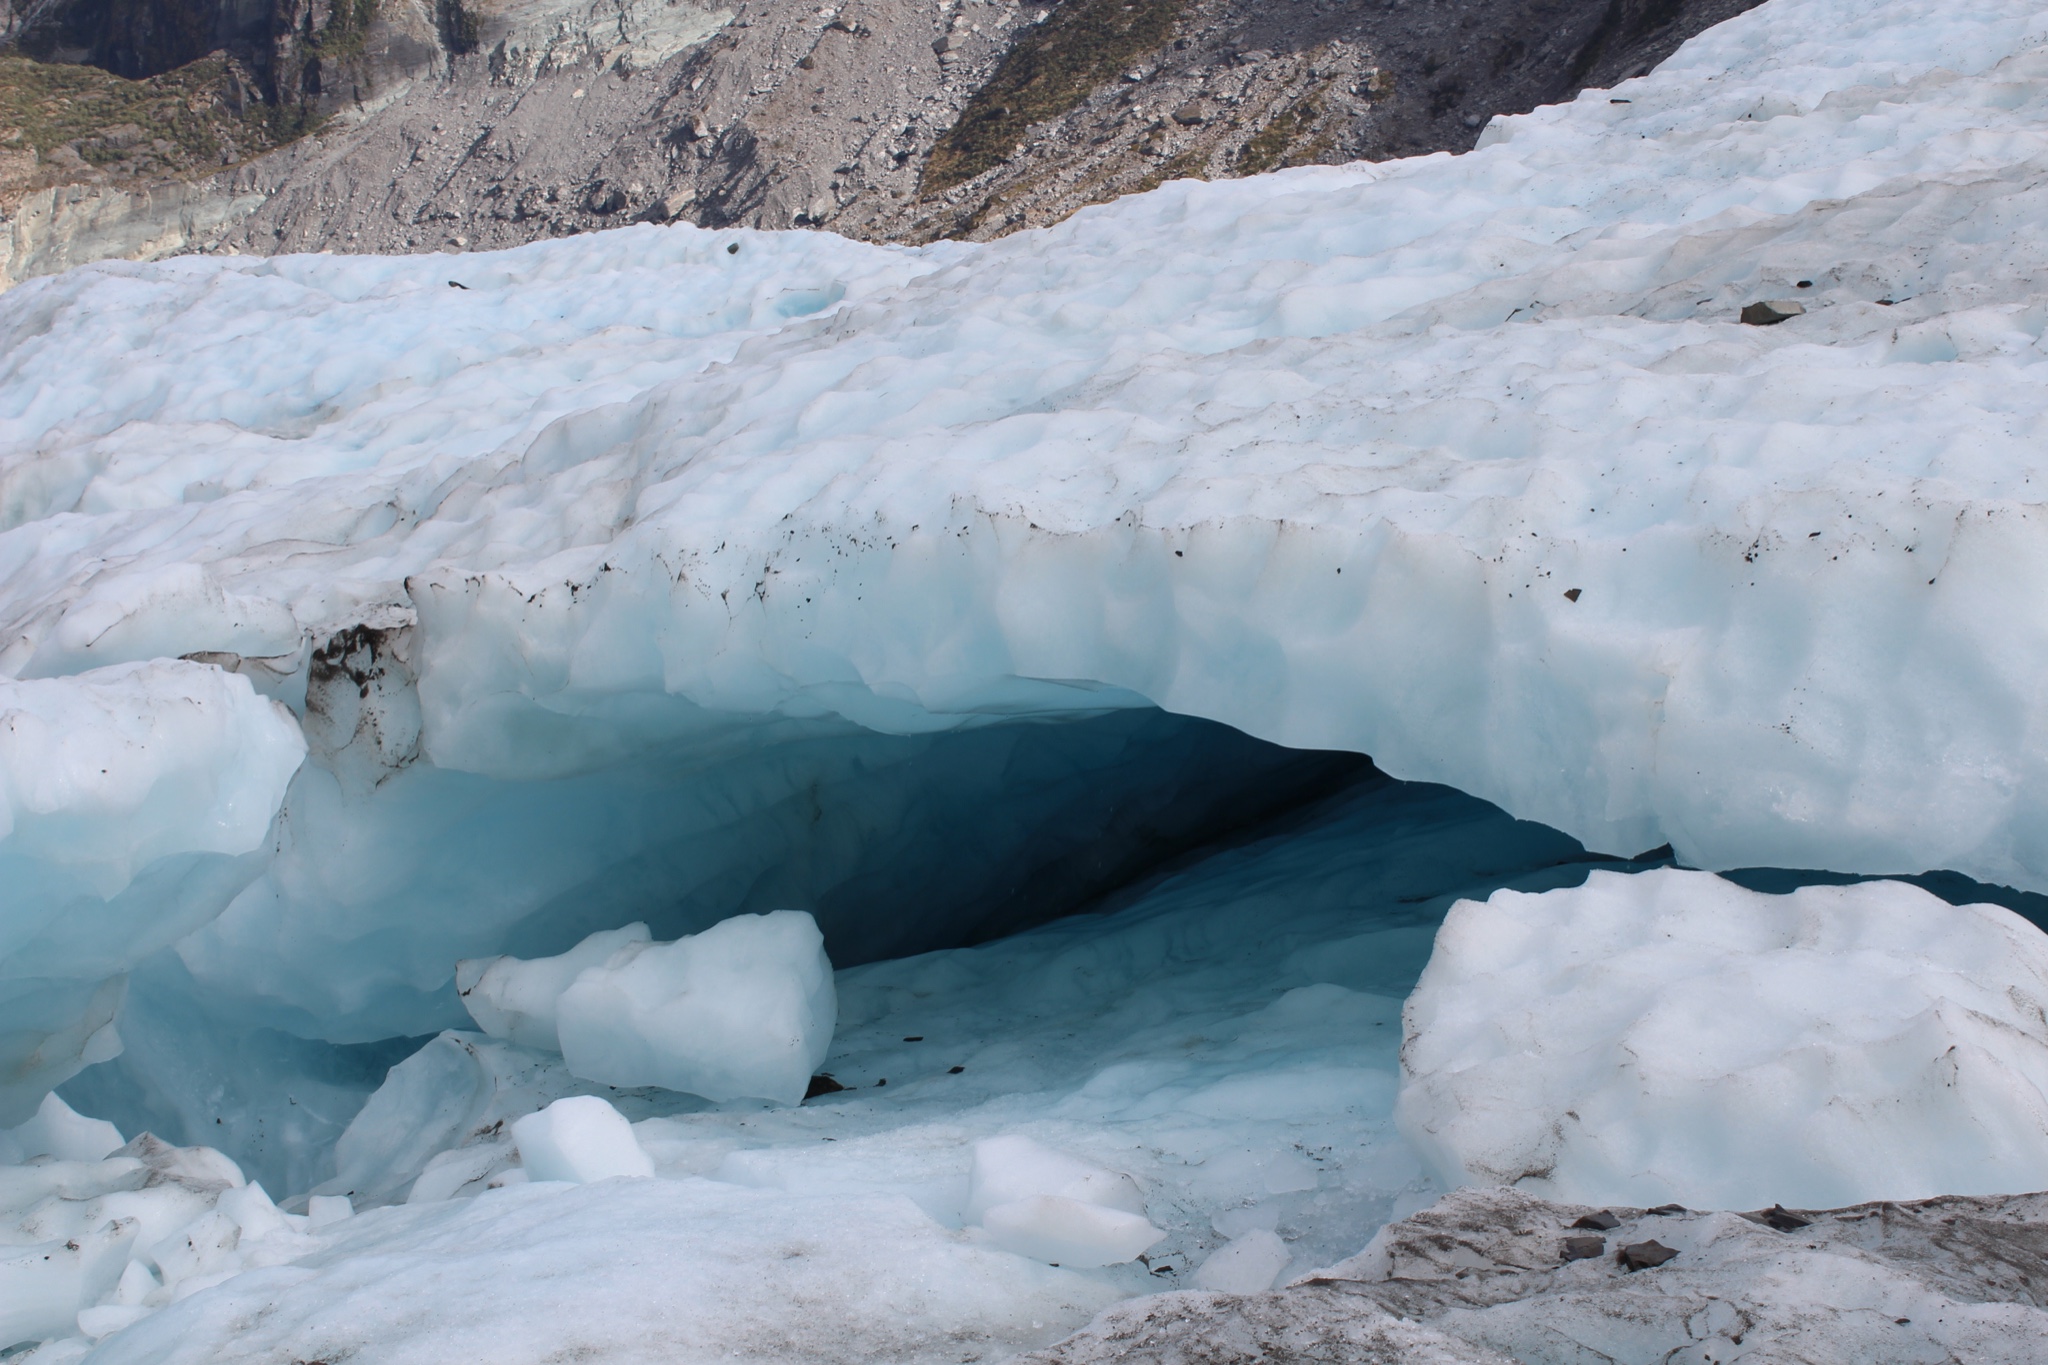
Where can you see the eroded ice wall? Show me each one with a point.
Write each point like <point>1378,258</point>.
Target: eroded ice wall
<point>135,800</point>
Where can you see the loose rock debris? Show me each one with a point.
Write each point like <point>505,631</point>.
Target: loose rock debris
<point>1477,1279</point>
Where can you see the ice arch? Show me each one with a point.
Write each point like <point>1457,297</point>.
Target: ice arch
<point>897,843</point>
<point>262,1031</point>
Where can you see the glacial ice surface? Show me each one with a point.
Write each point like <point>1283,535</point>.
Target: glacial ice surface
<point>352,625</point>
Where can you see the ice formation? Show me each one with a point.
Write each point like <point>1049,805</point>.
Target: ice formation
<point>1246,1264</point>
<point>352,626</point>
<point>597,579</point>
<point>437,1126</point>
<point>1670,1036</point>
<point>58,1132</point>
<point>743,1009</point>
<point>579,1138</point>
<point>1051,1207</point>
<point>94,1237</point>
<point>516,999</point>
<point>135,800</point>
<point>1011,1167</point>
<point>1227,1042</point>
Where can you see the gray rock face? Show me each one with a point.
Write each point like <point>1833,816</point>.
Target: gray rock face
<point>1485,1276</point>
<point>793,114</point>
<point>306,58</point>
<point>538,118</point>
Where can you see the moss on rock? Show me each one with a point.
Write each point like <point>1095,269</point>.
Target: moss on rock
<point>1050,69</point>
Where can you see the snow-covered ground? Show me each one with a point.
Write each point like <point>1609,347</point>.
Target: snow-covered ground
<point>360,616</point>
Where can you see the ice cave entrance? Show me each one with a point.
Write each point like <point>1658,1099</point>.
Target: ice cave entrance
<point>264,1033</point>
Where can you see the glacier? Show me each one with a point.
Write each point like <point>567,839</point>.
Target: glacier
<point>361,616</point>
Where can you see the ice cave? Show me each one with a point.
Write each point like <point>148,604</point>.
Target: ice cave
<point>1346,765</point>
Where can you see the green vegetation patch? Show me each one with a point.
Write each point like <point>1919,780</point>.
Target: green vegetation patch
<point>1050,69</point>
<point>179,122</point>
<point>1269,146</point>
<point>461,27</point>
<point>348,24</point>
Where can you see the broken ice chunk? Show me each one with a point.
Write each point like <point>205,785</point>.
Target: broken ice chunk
<point>745,1009</point>
<point>325,1210</point>
<point>107,1319</point>
<point>1053,1207</point>
<point>43,1285</point>
<point>1670,1035</point>
<point>451,1173</point>
<point>581,1138</point>
<point>1068,1232</point>
<point>59,1131</point>
<point>253,1212</point>
<point>1013,1167</point>
<point>203,1247</point>
<point>515,999</point>
<point>1246,1264</point>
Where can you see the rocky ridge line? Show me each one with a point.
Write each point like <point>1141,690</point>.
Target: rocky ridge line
<point>491,125</point>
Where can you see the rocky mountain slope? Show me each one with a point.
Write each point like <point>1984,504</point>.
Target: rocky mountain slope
<point>445,125</point>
